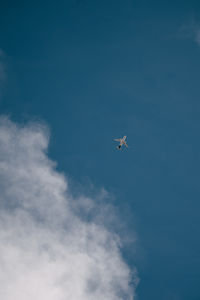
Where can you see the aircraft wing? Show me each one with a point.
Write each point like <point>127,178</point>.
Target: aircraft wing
<point>117,140</point>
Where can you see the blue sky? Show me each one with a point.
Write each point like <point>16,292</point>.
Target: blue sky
<point>96,70</point>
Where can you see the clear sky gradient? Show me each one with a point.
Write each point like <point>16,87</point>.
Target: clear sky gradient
<point>97,70</point>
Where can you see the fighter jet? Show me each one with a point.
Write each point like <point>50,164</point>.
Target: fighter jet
<point>121,142</point>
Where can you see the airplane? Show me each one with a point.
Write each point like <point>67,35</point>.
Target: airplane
<point>122,142</point>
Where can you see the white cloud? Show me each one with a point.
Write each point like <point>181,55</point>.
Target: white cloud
<point>47,251</point>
